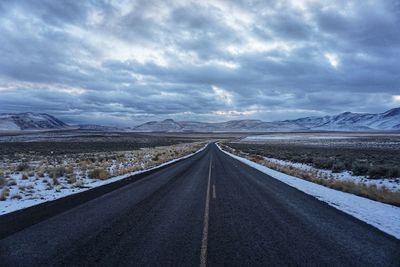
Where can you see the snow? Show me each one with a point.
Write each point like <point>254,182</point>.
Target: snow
<point>293,137</point>
<point>8,125</point>
<point>44,195</point>
<point>382,216</point>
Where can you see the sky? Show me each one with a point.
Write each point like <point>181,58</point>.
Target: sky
<point>127,62</point>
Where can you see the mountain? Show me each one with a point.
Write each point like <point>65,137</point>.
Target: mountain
<point>228,126</point>
<point>347,121</point>
<point>163,126</point>
<point>29,121</point>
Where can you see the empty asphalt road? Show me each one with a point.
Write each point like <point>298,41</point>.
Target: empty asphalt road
<point>207,210</point>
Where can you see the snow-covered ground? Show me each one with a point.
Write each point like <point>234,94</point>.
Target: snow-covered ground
<point>32,191</point>
<point>392,184</point>
<point>382,216</point>
<point>350,140</point>
<point>293,137</point>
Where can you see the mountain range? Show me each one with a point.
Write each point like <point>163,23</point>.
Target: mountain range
<point>347,121</point>
<point>29,121</point>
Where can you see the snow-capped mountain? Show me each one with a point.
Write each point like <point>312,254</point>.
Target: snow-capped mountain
<point>29,121</point>
<point>347,121</point>
<point>387,121</point>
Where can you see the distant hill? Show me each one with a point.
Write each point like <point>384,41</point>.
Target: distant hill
<point>29,121</point>
<point>387,121</point>
<point>347,121</point>
<point>164,126</point>
<point>101,128</point>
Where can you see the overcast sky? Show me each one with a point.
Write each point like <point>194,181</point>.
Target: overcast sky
<point>126,62</point>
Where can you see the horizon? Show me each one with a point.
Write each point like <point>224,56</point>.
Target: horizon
<point>127,63</point>
<point>222,121</point>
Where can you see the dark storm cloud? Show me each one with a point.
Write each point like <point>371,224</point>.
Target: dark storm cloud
<point>125,62</point>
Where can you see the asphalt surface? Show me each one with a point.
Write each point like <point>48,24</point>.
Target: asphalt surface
<point>207,210</point>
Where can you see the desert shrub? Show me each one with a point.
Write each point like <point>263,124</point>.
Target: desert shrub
<point>55,180</point>
<point>2,179</point>
<point>24,176</point>
<point>359,168</point>
<point>156,157</point>
<point>12,182</point>
<point>394,172</point>
<point>29,186</point>
<point>21,187</point>
<point>56,172</point>
<point>71,178</point>
<point>308,159</point>
<point>376,172</point>
<point>16,196</point>
<point>323,163</point>
<point>99,173</point>
<point>69,170</point>
<point>23,166</point>
<point>338,167</point>
<point>4,193</point>
<point>348,163</point>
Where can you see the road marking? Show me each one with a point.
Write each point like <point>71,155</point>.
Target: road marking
<point>204,241</point>
<point>214,193</point>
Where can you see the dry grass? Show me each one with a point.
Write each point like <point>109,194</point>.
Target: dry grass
<point>71,178</point>
<point>56,172</point>
<point>373,192</point>
<point>100,173</point>
<point>3,180</point>
<point>4,193</point>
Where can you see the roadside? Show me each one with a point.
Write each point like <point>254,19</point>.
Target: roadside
<point>382,190</point>
<point>380,215</point>
<point>42,180</point>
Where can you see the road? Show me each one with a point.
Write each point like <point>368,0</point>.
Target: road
<point>207,210</point>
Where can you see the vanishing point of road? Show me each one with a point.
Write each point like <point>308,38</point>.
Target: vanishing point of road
<point>206,210</point>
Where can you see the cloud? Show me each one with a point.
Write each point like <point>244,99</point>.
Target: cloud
<point>223,95</point>
<point>332,59</point>
<point>125,62</point>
